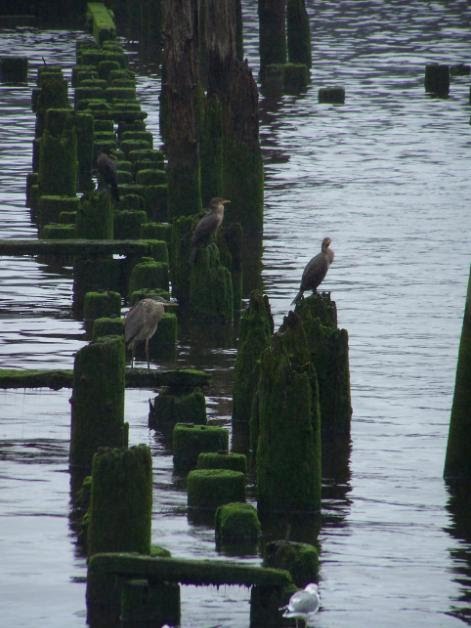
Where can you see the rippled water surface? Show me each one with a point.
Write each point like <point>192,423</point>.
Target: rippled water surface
<point>387,177</point>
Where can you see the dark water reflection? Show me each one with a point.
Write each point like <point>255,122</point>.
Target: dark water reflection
<point>387,177</point>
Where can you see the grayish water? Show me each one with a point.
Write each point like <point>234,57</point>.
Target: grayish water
<point>387,177</point>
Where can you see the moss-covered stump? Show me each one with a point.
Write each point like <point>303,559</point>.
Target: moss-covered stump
<point>273,80</point>
<point>172,407</point>
<point>218,460</point>
<point>52,93</point>
<point>150,275</point>
<point>289,445</point>
<point>180,263</point>
<point>210,488</point>
<point>85,126</point>
<point>458,453</point>
<point>107,326</point>
<point>57,231</point>
<point>128,224</point>
<point>95,216</point>
<point>58,163</point>
<point>300,559</point>
<point>328,346</point>
<point>243,184</point>
<point>100,22</point>
<point>97,401</point>
<point>50,207</point>
<point>256,329</point>
<point>296,78</point>
<point>211,294</point>
<point>437,79</point>
<point>190,440</point>
<point>93,274</point>
<point>298,33</point>
<point>149,176</point>
<point>334,95</point>
<point>100,304</point>
<point>13,69</point>
<point>237,527</point>
<point>147,603</point>
<point>121,501</point>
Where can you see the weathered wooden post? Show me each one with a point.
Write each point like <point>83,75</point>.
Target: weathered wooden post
<point>272,19</point>
<point>97,401</point>
<point>256,329</point>
<point>180,58</point>
<point>299,34</point>
<point>121,501</point>
<point>458,453</point>
<point>289,442</point>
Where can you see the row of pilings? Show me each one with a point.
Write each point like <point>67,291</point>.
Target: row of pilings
<point>116,498</point>
<point>292,408</point>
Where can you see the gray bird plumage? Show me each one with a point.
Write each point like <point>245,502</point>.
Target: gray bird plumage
<point>107,171</point>
<point>303,604</point>
<point>208,225</point>
<point>315,270</point>
<point>141,323</point>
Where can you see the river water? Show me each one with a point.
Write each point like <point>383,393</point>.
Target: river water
<point>386,176</point>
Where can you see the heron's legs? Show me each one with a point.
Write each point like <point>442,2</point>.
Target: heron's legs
<point>147,353</point>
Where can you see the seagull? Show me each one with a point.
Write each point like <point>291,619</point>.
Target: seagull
<point>303,604</point>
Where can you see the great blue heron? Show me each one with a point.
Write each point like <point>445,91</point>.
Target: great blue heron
<point>141,323</point>
<point>303,604</point>
<point>107,172</point>
<point>315,270</point>
<point>208,225</point>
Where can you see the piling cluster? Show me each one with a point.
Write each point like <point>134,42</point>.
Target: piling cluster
<point>127,232</point>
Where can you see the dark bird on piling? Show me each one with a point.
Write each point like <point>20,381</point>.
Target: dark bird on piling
<point>315,270</point>
<point>208,225</point>
<point>141,323</point>
<point>107,172</point>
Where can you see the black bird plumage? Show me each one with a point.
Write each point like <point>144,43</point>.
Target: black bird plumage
<point>315,270</point>
<point>107,171</point>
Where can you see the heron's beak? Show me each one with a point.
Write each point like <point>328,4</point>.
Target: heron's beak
<point>225,201</point>
<point>170,304</point>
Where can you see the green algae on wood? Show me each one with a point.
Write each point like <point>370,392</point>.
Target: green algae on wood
<point>147,603</point>
<point>174,406</point>
<point>210,488</point>
<point>237,524</point>
<point>256,328</point>
<point>458,453</point>
<point>328,347</point>
<point>97,418</point>
<point>300,559</point>
<point>95,216</point>
<point>107,326</point>
<point>56,379</point>
<point>211,292</point>
<point>289,448</point>
<point>188,571</point>
<point>121,501</point>
<point>190,440</point>
<point>219,460</point>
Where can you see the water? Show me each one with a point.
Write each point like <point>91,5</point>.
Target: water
<point>386,176</point>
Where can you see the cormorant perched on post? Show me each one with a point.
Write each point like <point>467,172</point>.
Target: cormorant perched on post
<point>107,168</point>
<point>141,323</point>
<point>208,225</point>
<point>315,270</point>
